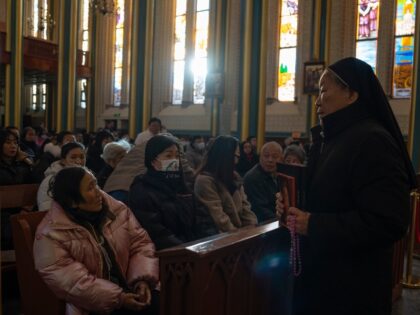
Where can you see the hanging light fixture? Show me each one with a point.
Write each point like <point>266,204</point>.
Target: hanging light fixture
<point>103,6</point>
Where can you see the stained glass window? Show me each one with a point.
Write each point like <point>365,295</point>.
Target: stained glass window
<point>82,91</point>
<point>198,65</point>
<point>39,97</point>
<point>43,96</point>
<point>41,21</point>
<point>404,48</point>
<point>367,31</point>
<point>34,97</point>
<point>179,52</point>
<point>119,48</point>
<point>84,29</point>
<point>287,50</point>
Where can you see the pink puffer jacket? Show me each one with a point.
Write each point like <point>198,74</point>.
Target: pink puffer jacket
<point>68,258</point>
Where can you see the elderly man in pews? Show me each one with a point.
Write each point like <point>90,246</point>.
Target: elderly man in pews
<point>261,183</point>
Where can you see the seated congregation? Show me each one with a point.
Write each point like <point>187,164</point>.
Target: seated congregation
<point>206,240</point>
<point>89,248</point>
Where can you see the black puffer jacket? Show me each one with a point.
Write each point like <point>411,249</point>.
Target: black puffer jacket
<point>170,218</point>
<point>359,203</point>
<point>15,173</point>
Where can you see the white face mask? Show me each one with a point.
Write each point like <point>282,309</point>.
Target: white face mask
<point>200,146</point>
<point>170,165</point>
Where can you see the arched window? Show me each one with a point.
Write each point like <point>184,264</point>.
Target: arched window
<point>39,21</point>
<point>82,90</point>
<point>404,48</point>
<point>190,50</point>
<point>38,97</point>
<point>84,30</point>
<point>118,53</point>
<point>367,31</point>
<point>287,49</point>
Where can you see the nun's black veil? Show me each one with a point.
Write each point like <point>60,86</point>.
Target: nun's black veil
<point>359,76</point>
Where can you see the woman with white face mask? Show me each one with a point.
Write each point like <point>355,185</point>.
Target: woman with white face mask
<point>162,202</point>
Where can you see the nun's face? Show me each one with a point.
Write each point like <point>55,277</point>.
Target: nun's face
<point>332,96</point>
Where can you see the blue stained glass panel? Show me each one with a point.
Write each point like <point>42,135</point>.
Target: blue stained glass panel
<point>403,67</point>
<point>366,51</point>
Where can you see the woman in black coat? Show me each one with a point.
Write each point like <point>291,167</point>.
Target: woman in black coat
<point>28,143</point>
<point>248,158</point>
<point>161,201</point>
<point>15,165</point>
<point>360,178</point>
<point>15,169</point>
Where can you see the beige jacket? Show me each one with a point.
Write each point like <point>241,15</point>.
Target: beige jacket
<point>133,164</point>
<point>68,258</point>
<point>229,212</point>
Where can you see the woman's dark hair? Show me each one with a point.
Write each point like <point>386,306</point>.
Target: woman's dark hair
<point>220,161</point>
<point>70,146</point>
<point>192,140</point>
<point>64,188</point>
<point>4,135</point>
<point>250,138</point>
<point>100,136</point>
<point>155,119</point>
<point>155,146</point>
<point>62,134</point>
<point>25,131</point>
<point>241,147</point>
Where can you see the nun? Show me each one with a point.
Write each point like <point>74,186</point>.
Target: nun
<point>358,204</point>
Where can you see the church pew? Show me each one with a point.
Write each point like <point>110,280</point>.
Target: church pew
<point>245,272</point>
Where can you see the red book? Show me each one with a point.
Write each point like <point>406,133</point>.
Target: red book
<point>288,190</point>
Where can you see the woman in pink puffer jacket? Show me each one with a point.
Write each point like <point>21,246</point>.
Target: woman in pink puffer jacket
<point>91,251</point>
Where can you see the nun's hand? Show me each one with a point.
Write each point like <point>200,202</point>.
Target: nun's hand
<point>300,219</point>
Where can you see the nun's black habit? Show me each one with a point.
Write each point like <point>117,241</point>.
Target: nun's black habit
<point>358,197</point>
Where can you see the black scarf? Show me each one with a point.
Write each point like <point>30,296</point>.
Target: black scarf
<point>82,217</point>
<point>173,179</point>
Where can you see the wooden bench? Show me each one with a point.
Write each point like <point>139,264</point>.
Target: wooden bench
<point>246,272</point>
<point>15,196</point>
<point>18,196</point>
<point>36,297</point>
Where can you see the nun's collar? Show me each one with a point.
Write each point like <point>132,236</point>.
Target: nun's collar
<point>340,120</point>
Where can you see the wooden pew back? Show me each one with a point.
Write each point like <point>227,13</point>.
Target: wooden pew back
<point>17,196</point>
<point>36,297</point>
<point>246,272</point>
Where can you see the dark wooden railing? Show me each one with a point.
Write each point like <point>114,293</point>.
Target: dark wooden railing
<point>246,272</point>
